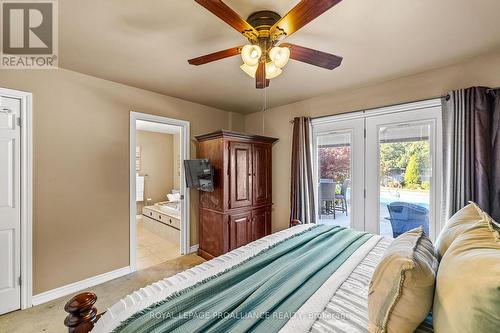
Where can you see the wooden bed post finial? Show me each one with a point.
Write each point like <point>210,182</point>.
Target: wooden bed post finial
<point>82,313</point>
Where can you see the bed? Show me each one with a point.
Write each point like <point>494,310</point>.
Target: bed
<point>309,278</point>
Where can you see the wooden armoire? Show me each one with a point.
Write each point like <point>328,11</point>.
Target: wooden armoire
<point>239,209</point>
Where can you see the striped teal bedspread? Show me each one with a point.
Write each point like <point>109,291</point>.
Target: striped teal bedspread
<point>258,295</point>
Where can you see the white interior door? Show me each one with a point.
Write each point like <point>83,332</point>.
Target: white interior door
<point>402,171</point>
<point>339,172</point>
<point>10,210</point>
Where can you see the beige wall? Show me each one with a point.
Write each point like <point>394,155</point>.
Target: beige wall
<point>81,169</point>
<point>483,70</point>
<point>237,121</point>
<point>157,162</point>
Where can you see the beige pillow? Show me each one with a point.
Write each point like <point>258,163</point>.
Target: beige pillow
<point>467,297</point>
<point>458,223</point>
<point>402,286</point>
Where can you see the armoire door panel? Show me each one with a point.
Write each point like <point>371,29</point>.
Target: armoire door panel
<point>262,174</point>
<point>240,175</point>
<point>261,223</point>
<point>240,229</point>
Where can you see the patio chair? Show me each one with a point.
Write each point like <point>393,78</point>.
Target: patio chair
<point>342,197</point>
<point>405,216</point>
<point>327,196</point>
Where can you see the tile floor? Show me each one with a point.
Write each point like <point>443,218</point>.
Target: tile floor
<point>152,249</point>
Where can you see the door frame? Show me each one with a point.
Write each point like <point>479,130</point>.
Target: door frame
<point>436,201</point>
<point>185,207</point>
<point>26,99</point>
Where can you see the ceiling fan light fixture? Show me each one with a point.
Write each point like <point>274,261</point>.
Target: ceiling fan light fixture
<point>251,54</point>
<point>279,56</point>
<point>272,71</point>
<point>263,30</point>
<point>249,70</point>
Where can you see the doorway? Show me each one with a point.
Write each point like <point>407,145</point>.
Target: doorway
<point>159,199</point>
<point>378,170</point>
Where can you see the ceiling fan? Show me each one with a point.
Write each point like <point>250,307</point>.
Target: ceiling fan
<point>263,58</point>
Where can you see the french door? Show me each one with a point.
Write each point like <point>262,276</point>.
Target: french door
<point>378,170</point>
<point>339,171</point>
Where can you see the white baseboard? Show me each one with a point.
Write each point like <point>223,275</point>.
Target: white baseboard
<point>194,248</point>
<point>78,286</point>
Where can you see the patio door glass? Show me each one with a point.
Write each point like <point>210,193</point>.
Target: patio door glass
<point>339,169</point>
<point>401,182</point>
<point>334,157</point>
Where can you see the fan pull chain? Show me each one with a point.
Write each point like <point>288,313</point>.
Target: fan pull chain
<point>264,107</point>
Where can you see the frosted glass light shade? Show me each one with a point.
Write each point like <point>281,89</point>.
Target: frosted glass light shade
<point>251,54</point>
<point>279,56</point>
<point>250,70</point>
<point>272,71</point>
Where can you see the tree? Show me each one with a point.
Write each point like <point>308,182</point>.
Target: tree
<point>395,157</point>
<point>412,173</point>
<point>335,163</point>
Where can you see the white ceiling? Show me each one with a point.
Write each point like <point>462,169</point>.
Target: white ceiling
<point>147,44</point>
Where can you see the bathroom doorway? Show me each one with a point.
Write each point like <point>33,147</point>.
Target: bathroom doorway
<point>159,200</point>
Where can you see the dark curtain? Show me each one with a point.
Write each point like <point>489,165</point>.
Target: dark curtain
<point>302,190</point>
<point>471,141</point>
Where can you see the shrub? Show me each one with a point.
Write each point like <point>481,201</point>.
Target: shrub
<point>412,174</point>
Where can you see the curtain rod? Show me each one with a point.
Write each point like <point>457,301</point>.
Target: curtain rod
<point>446,97</point>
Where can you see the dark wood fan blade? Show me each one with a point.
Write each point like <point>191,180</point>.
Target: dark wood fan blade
<point>226,14</point>
<point>260,77</point>
<point>299,16</point>
<point>313,57</point>
<point>215,56</point>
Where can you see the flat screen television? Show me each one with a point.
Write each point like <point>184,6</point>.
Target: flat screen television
<point>199,174</point>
